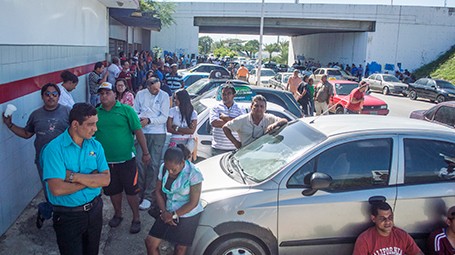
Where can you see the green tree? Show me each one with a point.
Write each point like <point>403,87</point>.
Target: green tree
<point>251,47</point>
<point>284,52</point>
<point>205,45</point>
<point>223,51</point>
<point>271,48</point>
<point>160,10</point>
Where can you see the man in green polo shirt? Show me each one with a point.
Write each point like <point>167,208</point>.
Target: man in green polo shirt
<point>117,124</point>
<point>74,170</point>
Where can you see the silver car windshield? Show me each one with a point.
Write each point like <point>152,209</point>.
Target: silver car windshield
<point>271,152</point>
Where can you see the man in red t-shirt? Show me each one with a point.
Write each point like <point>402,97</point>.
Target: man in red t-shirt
<point>356,99</point>
<point>383,237</point>
<point>442,241</point>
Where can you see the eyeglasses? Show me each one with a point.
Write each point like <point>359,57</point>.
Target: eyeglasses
<point>49,93</point>
<point>383,219</point>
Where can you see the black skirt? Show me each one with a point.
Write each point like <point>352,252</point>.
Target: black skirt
<point>182,234</point>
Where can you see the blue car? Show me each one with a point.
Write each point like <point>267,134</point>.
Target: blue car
<point>191,78</point>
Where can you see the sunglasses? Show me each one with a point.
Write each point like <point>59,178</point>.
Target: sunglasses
<point>49,93</point>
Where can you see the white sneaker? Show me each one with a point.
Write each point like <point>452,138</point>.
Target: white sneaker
<point>145,205</point>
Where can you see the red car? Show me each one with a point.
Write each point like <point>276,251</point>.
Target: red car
<point>341,91</point>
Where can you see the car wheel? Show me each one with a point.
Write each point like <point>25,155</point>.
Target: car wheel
<point>385,90</point>
<point>413,95</point>
<point>339,110</point>
<point>440,99</point>
<point>237,246</point>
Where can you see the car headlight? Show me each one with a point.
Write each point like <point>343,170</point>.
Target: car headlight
<point>384,106</point>
<point>451,95</point>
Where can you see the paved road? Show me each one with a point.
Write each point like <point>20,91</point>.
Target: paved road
<point>400,106</point>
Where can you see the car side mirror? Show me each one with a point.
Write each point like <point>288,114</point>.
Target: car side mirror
<point>368,92</point>
<point>317,181</point>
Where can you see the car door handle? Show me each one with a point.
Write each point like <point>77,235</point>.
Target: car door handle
<point>376,199</point>
<point>205,142</point>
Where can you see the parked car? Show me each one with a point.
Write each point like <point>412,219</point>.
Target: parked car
<point>387,84</point>
<point>205,68</point>
<point>204,129</point>
<point>443,113</point>
<point>280,97</point>
<point>332,73</point>
<point>191,78</point>
<point>270,65</point>
<point>266,74</point>
<point>342,89</point>
<point>282,68</point>
<point>279,81</point>
<point>433,89</point>
<point>205,84</point>
<point>348,76</point>
<point>304,188</point>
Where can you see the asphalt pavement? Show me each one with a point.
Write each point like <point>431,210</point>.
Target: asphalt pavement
<point>23,237</point>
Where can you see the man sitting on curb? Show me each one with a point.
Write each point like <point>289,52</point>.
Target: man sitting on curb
<point>252,125</point>
<point>384,237</point>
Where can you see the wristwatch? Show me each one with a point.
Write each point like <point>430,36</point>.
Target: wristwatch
<point>71,177</point>
<point>175,216</point>
<point>177,129</point>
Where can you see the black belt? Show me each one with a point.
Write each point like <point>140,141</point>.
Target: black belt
<point>83,208</point>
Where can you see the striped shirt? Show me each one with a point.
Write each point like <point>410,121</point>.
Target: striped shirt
<point>174,82</point>
<point>219,139</point>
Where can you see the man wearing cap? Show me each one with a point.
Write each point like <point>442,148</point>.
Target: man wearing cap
<point>152,105</point>
<point>75,169</point>
<point>324,91</point>
<point>173,80</point>
<point>219,115</point>
<point>442,240</point>
<point>356,99</point>
<point>384,237</point>
<point>117,125</point>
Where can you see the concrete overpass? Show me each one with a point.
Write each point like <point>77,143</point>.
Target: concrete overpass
<point>346,33</point>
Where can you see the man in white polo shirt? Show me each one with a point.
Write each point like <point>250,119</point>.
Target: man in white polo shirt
<point>253,125</point>
<point>152,106</point>
<point>220,115</point>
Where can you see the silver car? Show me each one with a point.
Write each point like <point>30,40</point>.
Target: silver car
<point>387,84</point>
<point>304,188</point>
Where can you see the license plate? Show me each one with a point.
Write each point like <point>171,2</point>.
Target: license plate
<point>374,112</point>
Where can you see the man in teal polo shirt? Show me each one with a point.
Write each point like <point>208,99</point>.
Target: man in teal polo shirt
<point>117,125</point>
<point>75,169</point>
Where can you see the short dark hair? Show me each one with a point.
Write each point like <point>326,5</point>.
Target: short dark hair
<point>228,86</point>
<point>98,65</point>
<point>375,207</point>
<point>44,88</point>
<point>177,154</point>
<point>259,98</point>
<point>69,76</point>
<point>81,112</point>
<point>151,81</point>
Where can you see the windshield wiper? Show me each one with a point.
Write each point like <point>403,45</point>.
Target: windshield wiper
<point>236,165</point>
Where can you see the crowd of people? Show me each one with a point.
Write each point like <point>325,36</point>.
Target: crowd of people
<point>117,143</point>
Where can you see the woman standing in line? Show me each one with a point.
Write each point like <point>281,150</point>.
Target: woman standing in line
<point>178,200</point>
<point>123,94</point>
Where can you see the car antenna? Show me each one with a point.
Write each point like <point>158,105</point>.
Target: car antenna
<point>330,108</point>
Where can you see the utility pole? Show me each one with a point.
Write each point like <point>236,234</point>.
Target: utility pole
<point>261,34</point>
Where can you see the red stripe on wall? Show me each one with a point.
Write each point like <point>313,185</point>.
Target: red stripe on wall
<point>16,89</point>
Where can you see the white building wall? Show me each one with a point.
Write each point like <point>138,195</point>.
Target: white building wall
<point>38,38</point>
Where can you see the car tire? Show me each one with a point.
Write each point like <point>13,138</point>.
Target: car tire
<point>385,90</point>
<point>237,245</point>
<point>413,95</point>
<point>440,99</point>
<point>339,110</point>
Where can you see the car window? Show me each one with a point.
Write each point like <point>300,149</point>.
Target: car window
<point>253,71</point>
<point>431,83</point>
<point>333,72</point>
<point>428,161</point>
<point>206,128</point>
<point>422,81</point>
<point>279,114</point>
<point>372,77</point>
<point>317,71</point>
<point>445,115</point>
<point>445,84</point>
<point>354,165</point>
<point>197,86</point>
<point>390,78</point>
<point>272,98</point>
<point>378,78</point>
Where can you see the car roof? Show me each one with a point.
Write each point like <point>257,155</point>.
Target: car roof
<point>197,73</point>
<point>211,102</point>
<point>341,81</point>
<point>340,124</point>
